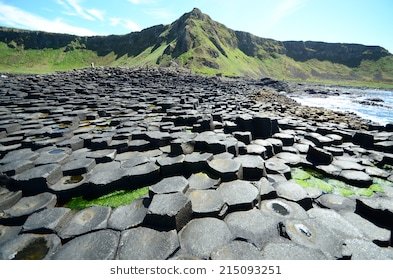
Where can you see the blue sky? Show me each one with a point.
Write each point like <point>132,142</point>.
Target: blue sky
<point>367,22</point>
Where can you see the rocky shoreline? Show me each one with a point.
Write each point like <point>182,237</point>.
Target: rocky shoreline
<point>234,170</point>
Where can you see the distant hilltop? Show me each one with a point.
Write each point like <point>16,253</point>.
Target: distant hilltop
<point>197,42</point>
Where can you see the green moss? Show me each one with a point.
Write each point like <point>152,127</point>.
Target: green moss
<point>365,192</point>
<point>303,183</point>
<point>320,184</point>
<point>345,192</point>
<point>376,188</point>
<point>113,200</point>
<point>300,174</point>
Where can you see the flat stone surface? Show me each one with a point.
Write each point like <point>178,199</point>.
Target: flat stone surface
<point>337,202</point>
<point>16,167</point>
<point>358,249</point>
<point>277,166</point>
<point>99,245</point>
<point>335,222</point>
<point>30,247</point>
<point>37,179</point>
<point>253,167</point>
<point>356,178</point>
<point>169,211</point>
<point>78,166</point>
<point>237,250</point>
<point>206,202</point>
<point>290,251</point>
<point>226,169</point>
<point>238,193</point>
<point>368,229</point>
<point>253,226</point>
<point>127,216</point>
<point>8,233</point>
<point>170,185</point>
<point>147,244</point>
<point>200,237</point>
<point>8,199</point>
<point>283,209</point>
<point>202,181</point>
<point>30,204</point>
<point>46,220</point>
<point>86,220</point>
<point>291,191</point>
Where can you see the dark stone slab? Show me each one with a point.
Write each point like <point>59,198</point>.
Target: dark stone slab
<point>8,233</point>
<point>290,159</point>
<point>53,156</point>
<point>197,162</point>
<point>147,244</point>
<point>319,156</point>
<point>38,179</point>
<point>21,154</point>
<point>225,169</point>
<point>102,156</point>
<point>293,192</point>
<point>337,202</point>
<point>16,167</point>
<point>277,166</point>
<point>46,221</point>
<point>8,199</point>
<point>128,216</point>
<point>287,139</point>
<point>200,237</point>
<point>238,194</point>
<point>253,226</point>
<point>28,205</point>
<point>78,166</point>
<point>171,166</point>
<point>207,203</point>
<point>356,178</point>
<point>290,251</point>
<point>30,247</point>
<point>365,140</point>
<point>169,211</point>
<point>86,220</point>
<point>237,250</point>
<point>201,181</point>
<point>169,185</point>
<point>99,245</point>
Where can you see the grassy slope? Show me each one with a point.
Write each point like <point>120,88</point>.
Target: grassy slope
<point>235,64</point>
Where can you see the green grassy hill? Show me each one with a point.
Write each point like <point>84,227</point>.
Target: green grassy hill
<point>197,42</point>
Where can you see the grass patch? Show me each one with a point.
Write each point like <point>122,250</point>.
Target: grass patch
<point>113,200</point>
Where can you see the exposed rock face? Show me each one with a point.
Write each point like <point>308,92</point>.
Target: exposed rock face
<point>248,182</point>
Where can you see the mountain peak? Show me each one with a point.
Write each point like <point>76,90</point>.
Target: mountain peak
<point>195,13</point>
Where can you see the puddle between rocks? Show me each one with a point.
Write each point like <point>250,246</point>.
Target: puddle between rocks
<point>35,250</point>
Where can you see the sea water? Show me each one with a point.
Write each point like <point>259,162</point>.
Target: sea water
<point>348,101</point>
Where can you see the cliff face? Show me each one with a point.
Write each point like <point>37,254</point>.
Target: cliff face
<point>204,45</point>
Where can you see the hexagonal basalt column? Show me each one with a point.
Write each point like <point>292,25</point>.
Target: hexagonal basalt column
<point>226,169</point>
<point>239,195</point>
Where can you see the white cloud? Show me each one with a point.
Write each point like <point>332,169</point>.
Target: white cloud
<point>17,17</point>
<point>126,23</point>
<point>74,8</point>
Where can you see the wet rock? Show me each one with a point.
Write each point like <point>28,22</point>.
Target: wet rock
<point>30,247</point>
<point>147,244</point>
<point>47,220</point>
<point>169,211</point>
<point>253,226</point>
<point>237,250</point>
<point>319,156</point>
<point>128,216</point>
<point>290,251</point>
<point>86,220</point>
<point>226,169</point>
<point>311,234</point>
<point>200,237</point>
<point>238,194</point>
<point>283,209</point>
<point>38,179</point>
<point>99,245</point>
